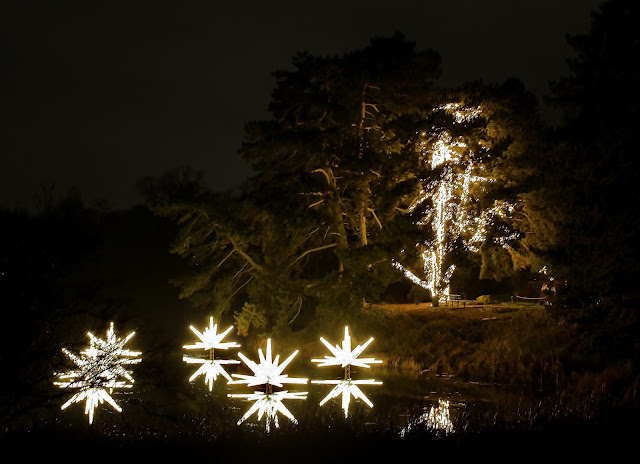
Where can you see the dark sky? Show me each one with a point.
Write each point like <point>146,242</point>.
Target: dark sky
<point>100,94</point>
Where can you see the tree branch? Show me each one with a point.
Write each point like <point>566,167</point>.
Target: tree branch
<point>312,250</point>
<point>250,260</point>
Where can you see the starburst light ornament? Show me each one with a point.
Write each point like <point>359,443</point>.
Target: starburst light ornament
<point>100,367</point>
<point>346,357</point>
<point>210,339</point>
<point>267,374</point>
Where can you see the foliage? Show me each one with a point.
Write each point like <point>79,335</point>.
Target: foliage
<point>339,167</point>
<point>593,168</point>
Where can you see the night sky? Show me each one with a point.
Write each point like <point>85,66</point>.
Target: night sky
<point>100,94</point>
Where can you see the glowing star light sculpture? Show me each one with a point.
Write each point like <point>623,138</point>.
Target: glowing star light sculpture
<point>346,357</point>
<point>100,367</point>
<point>267,374</point>
<point>210,339</point>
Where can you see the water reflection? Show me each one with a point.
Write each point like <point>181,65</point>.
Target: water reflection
<point>267,374</point>
<point>210,339</point>
<point>347,389</point>
<point>346,357</point>
<point>438,418</point>
<point>269,405</point>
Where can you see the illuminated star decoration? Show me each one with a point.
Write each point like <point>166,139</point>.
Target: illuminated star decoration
<point>102,366</point>
<point>346,357</point>
<point>210,339</point>
<point>268,373</point>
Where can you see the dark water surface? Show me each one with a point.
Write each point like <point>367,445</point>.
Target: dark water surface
<point>432,416</point>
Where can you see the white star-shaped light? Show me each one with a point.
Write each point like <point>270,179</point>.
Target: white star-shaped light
<point>100,367</point>
<point>210,339</point>
<point>347,388</point>
<point>269,405</point>
<point>268,371</point>
<point>344,356</point>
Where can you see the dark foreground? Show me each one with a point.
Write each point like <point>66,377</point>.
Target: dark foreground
<point>611,436</point>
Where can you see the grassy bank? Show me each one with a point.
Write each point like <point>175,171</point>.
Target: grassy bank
<point>594,349</point>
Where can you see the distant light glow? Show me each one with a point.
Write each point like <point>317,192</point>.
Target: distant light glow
<point>101,367</point>
<point>210,340</point>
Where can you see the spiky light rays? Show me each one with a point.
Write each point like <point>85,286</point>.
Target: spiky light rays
<point>210,340</point>
<point>100,367</point>
<point>268,371</point>
<point>346,389</point>
<point>269,405</point>
<point>346,357</point>
<point>267,374</point>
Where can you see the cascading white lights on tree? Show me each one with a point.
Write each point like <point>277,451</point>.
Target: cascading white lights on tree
<point>450,213</point>
<point>267,374</point>
<point>210,340</point>
<point>346,357</point>
<point>100,367</point>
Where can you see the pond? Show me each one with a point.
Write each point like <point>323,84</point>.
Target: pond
<point>409,413</point>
